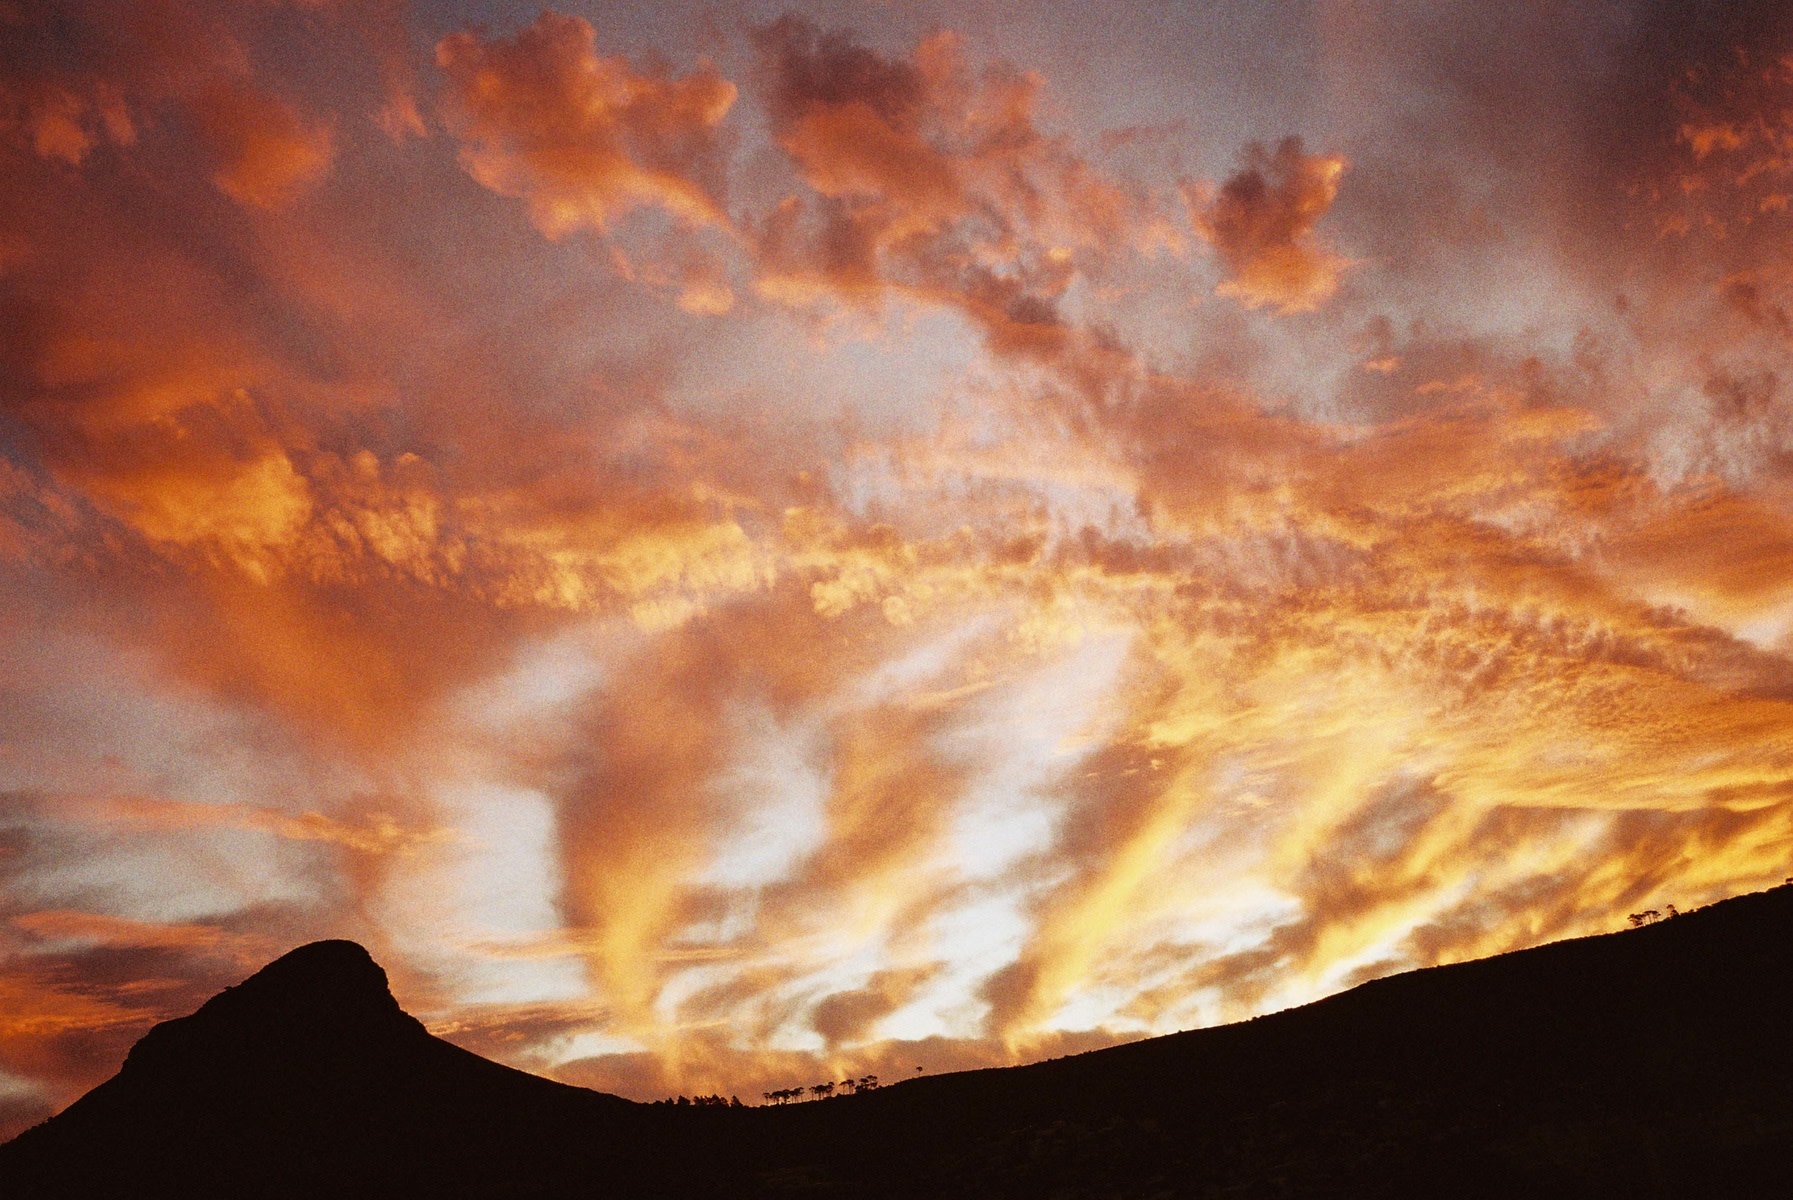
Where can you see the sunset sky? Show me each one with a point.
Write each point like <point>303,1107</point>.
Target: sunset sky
<point>739,545</point>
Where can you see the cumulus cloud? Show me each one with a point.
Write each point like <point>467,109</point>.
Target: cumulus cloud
<point>929,178</point>
<point>584,139</point>
<point>267,153</point>
<point>1261,223</point>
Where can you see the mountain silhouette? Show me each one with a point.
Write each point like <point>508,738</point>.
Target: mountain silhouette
<point>307,1079</point>
<point>1657,1062</point>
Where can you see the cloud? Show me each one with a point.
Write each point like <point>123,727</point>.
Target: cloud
<point>267,153</point>
<point>584,139</point>
<point>377,833</point>
<point>850,1015</point>
<point>1261,222</point>
<point>63,124</point>
<point>851,119</point>
<point>100,76</point>
<point>928,178</point>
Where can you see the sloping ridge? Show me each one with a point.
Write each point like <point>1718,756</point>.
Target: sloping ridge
<point>1654,1062</point>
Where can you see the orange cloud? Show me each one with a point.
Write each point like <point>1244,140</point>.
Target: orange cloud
<point>584,139</point>
<point>1736,147</point>
<point>378,833</point>
<point>66,125</point>
<point>1261,223</point>
<point>929,179</point>
<point>267,153</point>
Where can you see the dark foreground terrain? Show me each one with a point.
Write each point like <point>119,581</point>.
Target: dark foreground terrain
<point>1652,1063</point>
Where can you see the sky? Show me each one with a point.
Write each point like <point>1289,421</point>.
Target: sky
<point>735,546</point>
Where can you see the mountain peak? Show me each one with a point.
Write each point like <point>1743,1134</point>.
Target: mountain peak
<point>308,1079</point>
<point>328,996</point>
<point>328,972</point>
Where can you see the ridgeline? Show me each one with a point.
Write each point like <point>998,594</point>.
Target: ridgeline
<point>1655,1062</point>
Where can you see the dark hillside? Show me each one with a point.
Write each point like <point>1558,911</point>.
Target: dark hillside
<point>1654,1062</point>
